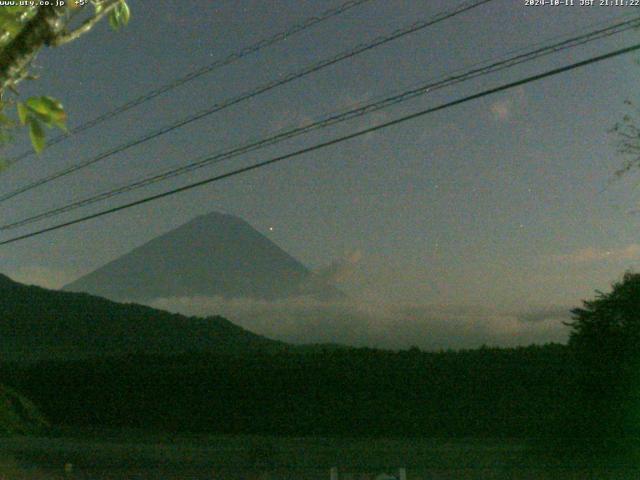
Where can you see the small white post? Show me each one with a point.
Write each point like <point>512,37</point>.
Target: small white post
<point>402,474</point>
<point>333,473</point>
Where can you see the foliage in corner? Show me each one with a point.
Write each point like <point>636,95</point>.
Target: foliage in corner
<point>24,31</point>
<point>120,15</point>
<point>605,339</point>
<point>39,111</point>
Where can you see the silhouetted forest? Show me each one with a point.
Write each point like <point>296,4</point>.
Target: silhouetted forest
<point>523,392</point>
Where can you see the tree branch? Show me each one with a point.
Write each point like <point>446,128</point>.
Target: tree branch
<point>86,25</point>
<point>41,30</point>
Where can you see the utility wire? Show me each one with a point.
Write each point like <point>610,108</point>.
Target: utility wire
<point>361,48</point>
<point>336,118</point>
<point>318,146</point>
<point>228,60</point>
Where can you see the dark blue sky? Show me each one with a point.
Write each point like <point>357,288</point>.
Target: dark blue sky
<point>491,203</point>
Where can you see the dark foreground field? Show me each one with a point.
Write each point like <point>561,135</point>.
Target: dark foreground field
<point>128,456</point>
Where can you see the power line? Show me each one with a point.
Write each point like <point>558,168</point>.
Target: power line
<point>361,48</point>
<point>337,118</point>
<point>328,143</point>
<point>222,62</point>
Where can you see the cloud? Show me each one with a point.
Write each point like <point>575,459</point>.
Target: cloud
<point>339,270</point>
<point>591,254</point>
<point>395,326</point>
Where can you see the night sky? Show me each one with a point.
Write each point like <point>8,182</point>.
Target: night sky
<point>494,205</point>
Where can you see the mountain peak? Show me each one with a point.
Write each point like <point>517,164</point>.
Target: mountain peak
<point>215,216</point>
<point>217,254</point>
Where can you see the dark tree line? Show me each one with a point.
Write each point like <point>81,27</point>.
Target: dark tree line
<point>519,392</point>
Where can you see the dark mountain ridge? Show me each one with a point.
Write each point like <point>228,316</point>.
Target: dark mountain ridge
<point>36,323</point>
<point>212,255</point>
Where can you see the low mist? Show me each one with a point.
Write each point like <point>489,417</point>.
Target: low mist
<point>394,326</point>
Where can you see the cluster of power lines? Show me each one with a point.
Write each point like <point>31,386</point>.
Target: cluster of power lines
<point>551,46</point>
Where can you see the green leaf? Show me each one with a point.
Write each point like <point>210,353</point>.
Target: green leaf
<point>44,105</point>
<point>120,15</point>
<point>53,104</point>
<point>48,110</point>
<point>61,124</point>
<point>125,12</point>
<point>23,113</point>
<point>36,133</point>
<point>113,20</point>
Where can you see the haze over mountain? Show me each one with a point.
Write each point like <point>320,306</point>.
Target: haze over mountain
<point>212,255</point>
<point>36,323</point>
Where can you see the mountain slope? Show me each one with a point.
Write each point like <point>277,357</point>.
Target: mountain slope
<point>36,323</point>
<point>212,255</point>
